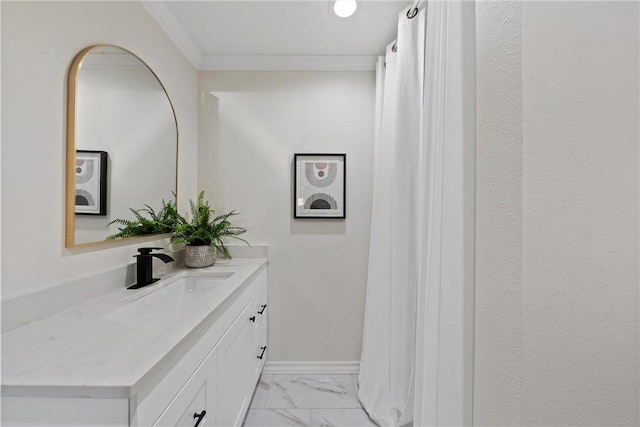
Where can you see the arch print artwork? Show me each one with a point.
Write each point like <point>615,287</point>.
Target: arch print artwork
<point>91,182</point>
<point>319,185</point>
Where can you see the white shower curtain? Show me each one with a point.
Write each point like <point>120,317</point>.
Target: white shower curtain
<point>386,368</point>
<point>410,172</point>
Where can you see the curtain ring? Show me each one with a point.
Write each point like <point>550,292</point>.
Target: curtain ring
<point>394,48</point>
<point>412,13</point>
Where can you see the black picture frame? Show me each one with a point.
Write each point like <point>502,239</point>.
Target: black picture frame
<point>91,182</point>
<point>320,185</point>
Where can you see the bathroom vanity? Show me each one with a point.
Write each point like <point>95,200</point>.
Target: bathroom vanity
<point>185,351</point>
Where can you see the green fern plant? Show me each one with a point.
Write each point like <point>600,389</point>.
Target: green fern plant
<point>147,221</point>
<point>205,229</point>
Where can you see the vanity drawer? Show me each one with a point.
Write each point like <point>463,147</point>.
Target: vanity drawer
<point>259,333</point>
<point>259,309</point>
<point>194,403</point>
<point>234,371</point>
<point>260,349</point>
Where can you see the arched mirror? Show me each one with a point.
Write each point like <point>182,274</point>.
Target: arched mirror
<point>122,141</point>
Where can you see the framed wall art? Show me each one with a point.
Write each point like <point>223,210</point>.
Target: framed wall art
<point>319,185</point>
<point>91,182</point>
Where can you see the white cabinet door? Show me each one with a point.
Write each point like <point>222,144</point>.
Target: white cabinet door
<point>194,405</point>
<point>234,370</point>
<point>259,334</point>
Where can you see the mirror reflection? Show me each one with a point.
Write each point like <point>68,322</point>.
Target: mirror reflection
<point>122,147</point>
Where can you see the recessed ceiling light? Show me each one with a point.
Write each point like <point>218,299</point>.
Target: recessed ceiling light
<point>344,8</point>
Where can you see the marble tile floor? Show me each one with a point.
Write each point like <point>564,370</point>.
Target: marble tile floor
<point>307,400</point>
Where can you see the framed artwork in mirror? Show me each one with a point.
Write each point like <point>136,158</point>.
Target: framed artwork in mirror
<point>319,185</point>
<point>91,182</point>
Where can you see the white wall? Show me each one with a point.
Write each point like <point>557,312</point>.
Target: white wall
<point>249,133</point>
<point>498,307</point>
<point>557,302</point>
<point>39,41</point>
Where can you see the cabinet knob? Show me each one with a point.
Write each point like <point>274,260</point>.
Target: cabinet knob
<point>252,318</point>
<point>264,306</point>
<point>199,417</point>
<point>264,348</point>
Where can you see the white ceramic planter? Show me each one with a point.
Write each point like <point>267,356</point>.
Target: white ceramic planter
<point>199,256</point>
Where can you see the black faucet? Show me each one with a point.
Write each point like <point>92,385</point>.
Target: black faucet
<point>144,267</point>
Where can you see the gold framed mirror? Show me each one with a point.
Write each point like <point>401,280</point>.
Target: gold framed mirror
<point>122,143</point>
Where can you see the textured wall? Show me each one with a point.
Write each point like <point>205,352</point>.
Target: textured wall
<point>498,340</point>
<point>317,268</point>
<point>557,302</point>
<point>580,213</point>
<point>39,41</point>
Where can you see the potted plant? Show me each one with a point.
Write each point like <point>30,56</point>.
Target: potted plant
<point>203,234</point>
<point>159,222</point>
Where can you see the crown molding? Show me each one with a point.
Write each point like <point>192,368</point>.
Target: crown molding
<point>288,63</point>
<point>176,32</point>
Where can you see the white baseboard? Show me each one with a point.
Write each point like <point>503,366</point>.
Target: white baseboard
<point>311,368</point>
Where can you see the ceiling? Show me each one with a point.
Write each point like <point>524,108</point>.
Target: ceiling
<point>287,35</point>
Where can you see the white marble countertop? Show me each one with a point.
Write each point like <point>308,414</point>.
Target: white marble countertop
<point>105,347</point>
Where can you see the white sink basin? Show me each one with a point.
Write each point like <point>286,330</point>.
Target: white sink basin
<point>172,301</point>
<point>189,285</point>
